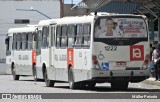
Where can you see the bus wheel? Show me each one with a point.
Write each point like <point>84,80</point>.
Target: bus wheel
<point>15,77</point>
<point>119,85</point>
<point>49,83</point>
<point>35,73</point>
<point>72,84</point>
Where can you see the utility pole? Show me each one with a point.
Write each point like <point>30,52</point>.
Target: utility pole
<point>72,2</point>
<point>62,8</point>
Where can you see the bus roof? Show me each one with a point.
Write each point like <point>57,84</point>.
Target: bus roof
<point>47,22</point>
<point>76,20</point>
<point>89,18</point>
<point>113,14</point>
<point>21,30</point>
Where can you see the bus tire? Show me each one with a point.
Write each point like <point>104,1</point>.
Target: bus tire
<point>72,84</point>
<point>119,85</point>
<point>49,83</point>
<point>15,77</point>
<point>35,73</point>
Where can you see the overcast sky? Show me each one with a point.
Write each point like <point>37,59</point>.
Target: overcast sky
<point>74,1</point>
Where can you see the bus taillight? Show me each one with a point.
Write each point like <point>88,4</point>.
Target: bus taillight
<point>146,61</point>
<point>94,59</point>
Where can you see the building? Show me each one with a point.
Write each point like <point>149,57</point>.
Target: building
<point>9,13</point>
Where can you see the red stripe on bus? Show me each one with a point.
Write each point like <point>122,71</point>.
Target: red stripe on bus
<point>70,57</point>
<point>33,56</point>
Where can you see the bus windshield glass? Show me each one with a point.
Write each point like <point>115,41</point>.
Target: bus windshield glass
<point>120,27</point>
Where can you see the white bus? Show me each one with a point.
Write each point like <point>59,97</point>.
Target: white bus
<point>42,47</point>
<point>94,49</point>
<point>20,52</point>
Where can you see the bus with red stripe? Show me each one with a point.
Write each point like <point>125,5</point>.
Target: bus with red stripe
<point>20,50</point>
<point>85,50</point>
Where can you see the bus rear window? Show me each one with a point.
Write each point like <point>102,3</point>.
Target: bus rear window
<point>118,27</point>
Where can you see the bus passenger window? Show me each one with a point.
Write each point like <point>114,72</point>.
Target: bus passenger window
<point>78,41</point>
<point>58,34</point>
<point>64,37</point>
<point>14,44</point>
<point>30,38</point>
<point>71,35</point>
<point>19,41</point>
<point>52,36</point>
<point>38,42</point>
<point>8,46</point>
<point>45,34</point>
<point>38,45</point>
<point>24,38</point>
<point>86,35</point>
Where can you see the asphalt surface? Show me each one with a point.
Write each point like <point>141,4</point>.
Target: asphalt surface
<point>27,85</point>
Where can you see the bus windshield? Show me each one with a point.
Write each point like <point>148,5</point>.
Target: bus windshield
<point>120,27</point>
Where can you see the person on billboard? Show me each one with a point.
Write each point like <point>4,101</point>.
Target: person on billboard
<point>110,29</point>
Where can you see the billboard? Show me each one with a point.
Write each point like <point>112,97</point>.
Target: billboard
<point>116,27</point>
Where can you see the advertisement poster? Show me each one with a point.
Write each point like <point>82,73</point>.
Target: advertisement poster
<point>120,27</point>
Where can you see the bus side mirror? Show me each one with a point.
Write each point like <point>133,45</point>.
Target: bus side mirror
<point>7,41</point>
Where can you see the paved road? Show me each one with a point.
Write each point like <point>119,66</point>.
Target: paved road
<point>27,85</point>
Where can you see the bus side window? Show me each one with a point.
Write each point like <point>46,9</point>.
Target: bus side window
<point>8,46</point>
<point>30,38</point>
<point>24,38</point>
<point>79,32</point>
<point>14,44</point>
<point>45,35</point>
<point>86,35</point>
<point>58,34</point>
<point>18,41</point>
<point>39,41</point>
<point>71,36</point>
<point>34,40</point>
<point>26,41</point>
<point>64,37</point>
<point>52,36</point>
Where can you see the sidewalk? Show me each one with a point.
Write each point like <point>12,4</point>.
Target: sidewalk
<point>152,81</point>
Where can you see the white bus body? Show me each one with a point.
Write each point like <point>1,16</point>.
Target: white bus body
<point>42,47</point>
<point>78,54</point>
<point>20,52</point>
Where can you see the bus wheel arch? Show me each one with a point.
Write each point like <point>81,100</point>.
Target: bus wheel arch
<point>12,64</point>
<point>71,78</point>
<point>34,72</point>
<point>13,70</point>
<point>69,66</point>
<point>43,69</point>
<point>49,83</point>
